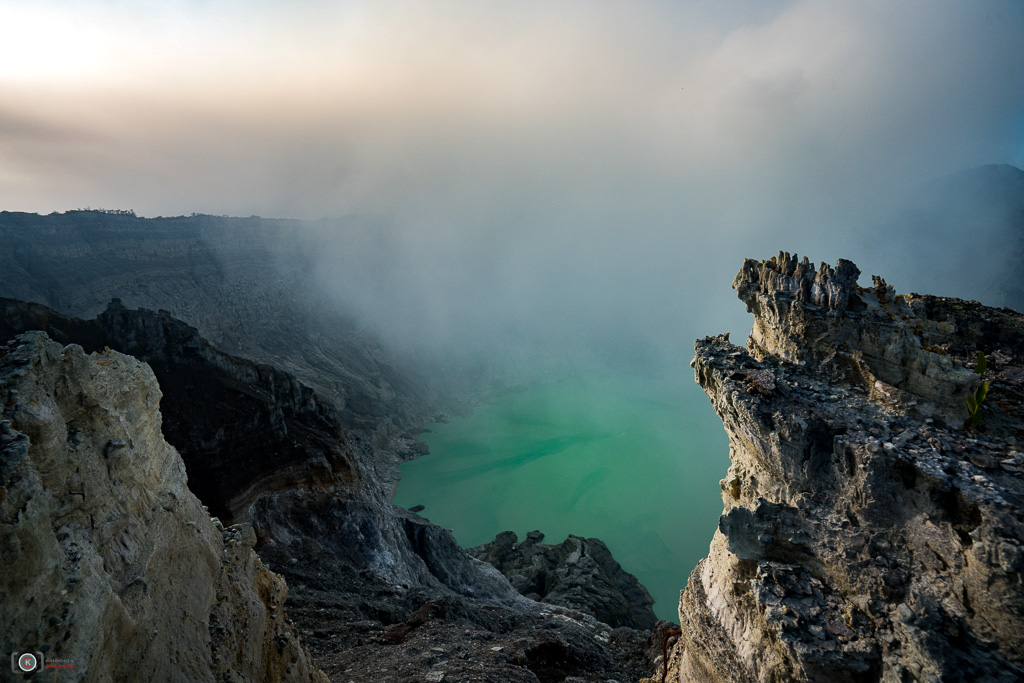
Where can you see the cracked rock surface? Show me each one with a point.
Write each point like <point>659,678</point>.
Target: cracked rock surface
<point>868,534</point>
<point>110,562</point>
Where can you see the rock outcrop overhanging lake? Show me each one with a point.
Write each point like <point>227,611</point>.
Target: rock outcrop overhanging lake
<point>870,531</point>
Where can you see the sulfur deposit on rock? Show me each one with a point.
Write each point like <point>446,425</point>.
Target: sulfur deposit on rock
<point>110,563</point>
<point>578,573</point>
<point>867,535</point>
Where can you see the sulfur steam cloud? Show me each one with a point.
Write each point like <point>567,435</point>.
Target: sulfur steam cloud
<point>555,171</point>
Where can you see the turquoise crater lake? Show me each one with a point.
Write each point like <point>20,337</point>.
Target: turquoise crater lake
<point>631,460</point>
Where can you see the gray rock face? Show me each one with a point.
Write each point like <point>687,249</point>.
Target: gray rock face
<point>823,320</point>
<point>866,534</point>
<point>305,452</point>
<point>110,563</point>
<point>372,586</point>
<point>241,427</point>
<point>579,573</point>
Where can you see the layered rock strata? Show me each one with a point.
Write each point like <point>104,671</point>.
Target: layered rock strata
<point>579,573</point>
<point>867,534</point>
<point>111,566</point>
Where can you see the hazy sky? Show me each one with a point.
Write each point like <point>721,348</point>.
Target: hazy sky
<point>583,162</point>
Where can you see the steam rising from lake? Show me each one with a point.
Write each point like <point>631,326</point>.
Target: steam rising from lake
<point>566,173</point>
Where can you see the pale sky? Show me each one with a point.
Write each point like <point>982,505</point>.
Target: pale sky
<point>311,109</point>
<point>617,137</point>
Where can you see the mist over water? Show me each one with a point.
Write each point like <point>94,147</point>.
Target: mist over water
<point>564,174</point>
<point>554,190</point>
<point>633,461</point>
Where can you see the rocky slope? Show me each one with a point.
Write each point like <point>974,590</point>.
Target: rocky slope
<point>241,427</point>
<point>378,592</point>
<point>111,565</point>
<point>867,535</point>
<point>579,573</point>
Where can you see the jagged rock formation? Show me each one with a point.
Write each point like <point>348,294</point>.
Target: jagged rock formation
<point>866,536</point>
<point>579,573</point>
<point>110,563</point>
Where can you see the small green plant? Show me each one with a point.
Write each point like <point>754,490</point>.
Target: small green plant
<point>975,400</point>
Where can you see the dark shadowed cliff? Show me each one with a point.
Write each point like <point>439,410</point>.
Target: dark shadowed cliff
<point>242,427</point>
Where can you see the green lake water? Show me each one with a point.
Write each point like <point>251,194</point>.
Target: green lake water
<point>633,461</point>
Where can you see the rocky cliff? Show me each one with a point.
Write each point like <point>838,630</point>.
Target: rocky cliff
<point>241,427</point>
<point>868,533</point>
<point>378,592</point>
<point>111,566</point>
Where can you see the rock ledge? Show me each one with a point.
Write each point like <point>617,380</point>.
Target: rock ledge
<point>866,535</point>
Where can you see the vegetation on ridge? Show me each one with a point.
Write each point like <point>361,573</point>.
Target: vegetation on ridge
<point>975,400</point>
